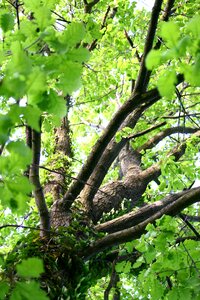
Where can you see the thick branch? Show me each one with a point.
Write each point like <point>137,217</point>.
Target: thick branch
<point>35,180</point>
<point>134,218</point>
<point>134,183</point>
<point>171,205</point>
<point>163,134</point>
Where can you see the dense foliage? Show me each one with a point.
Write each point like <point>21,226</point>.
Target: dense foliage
<point>99,149</point>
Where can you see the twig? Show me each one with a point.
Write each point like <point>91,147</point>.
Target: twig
<point>185,220</point>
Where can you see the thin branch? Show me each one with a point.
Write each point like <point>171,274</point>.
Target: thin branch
<point>145,74</point>
<point>47,231</point>
<point>152,142</point>
<point>105,17</point>
<point>61,17</point>
<point>141,133</point>
<point>177,152</point>
<point>191,258</point>
<point>194,115</point>
<point>103,25</point>
<point>22,226</point>
<point>132,46</point>
<point>185,238</point>
<point>183,108</point>
<point>114,279</point>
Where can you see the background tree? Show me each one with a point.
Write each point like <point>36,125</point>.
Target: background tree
<point>99,133</point>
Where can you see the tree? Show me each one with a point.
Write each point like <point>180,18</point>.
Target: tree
<point>99,136</point>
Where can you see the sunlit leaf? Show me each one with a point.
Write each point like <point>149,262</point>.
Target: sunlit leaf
<point>166,83</point>
<point>170,33</point>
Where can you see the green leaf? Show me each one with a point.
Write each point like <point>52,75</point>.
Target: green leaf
<point>43,17</point>
<point>4,288</point>
<point>170,33</point>
<point>78,55</point>
<point>139,262</point>
<point>166,83</point>
<point>19,149</point>
<point>193,26</point>
<point>53,104</point>
<point>20,185</point>
<point>127,267</point>
<point>185,293</point>
<point>191,73</point>
<point>32,115</point>
<point>118,137</point>
<point>5,125</point>
<point>157,290</point>
<point>7,21</point>
<point>173,294</point>
<point>36,83</point>
<point>130,246</point>
<point>153,59</point>
<point>28,291</point>
<point>73,35</point>
<point>20,64</point>
<point>70,79</point>
<point>31,267</point>
<point>120,266</point>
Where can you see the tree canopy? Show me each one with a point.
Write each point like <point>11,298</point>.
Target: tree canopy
<point>99,149</point>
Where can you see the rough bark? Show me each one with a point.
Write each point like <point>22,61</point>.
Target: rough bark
<point>134,182</point>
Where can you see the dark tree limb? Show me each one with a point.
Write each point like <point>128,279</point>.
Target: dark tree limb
<point>142,81</point>
<point>38,191</point>
<point>114,279</point>
<point>171,205</point>
<point>165,17</point>
<point>135,218</point>
<point>89,6</point>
